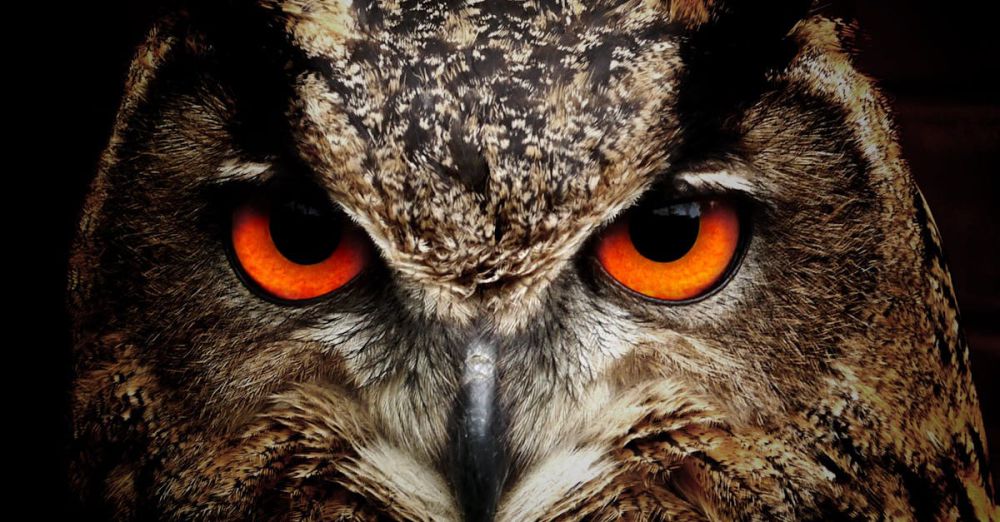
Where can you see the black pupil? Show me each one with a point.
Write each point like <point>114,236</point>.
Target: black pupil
<point>305,233</point>
<point>665,233</point>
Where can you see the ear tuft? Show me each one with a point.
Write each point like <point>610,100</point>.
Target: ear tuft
<point>690,13</point>
<point>765,16</point>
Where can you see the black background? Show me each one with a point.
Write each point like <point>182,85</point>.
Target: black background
<point>939,64</point>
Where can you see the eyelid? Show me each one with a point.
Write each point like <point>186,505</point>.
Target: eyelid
<point>715,182</point>
<point>239,170</point>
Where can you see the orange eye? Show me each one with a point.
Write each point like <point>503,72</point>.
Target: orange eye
<point>674,251</point>
<point>296,250</point>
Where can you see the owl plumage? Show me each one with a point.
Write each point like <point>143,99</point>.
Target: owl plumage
<point>485,366</point>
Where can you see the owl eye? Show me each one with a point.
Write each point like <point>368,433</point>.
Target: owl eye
<point>673,251</point>
<point>296,249</point>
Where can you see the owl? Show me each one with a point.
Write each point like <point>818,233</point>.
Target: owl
<point>513,261</point>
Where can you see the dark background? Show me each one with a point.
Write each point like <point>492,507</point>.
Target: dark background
<point>939,64</point>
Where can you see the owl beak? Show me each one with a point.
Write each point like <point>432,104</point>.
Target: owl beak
<point>478,456</point>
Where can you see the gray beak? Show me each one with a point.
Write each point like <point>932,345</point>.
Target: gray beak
<point>478,458</point>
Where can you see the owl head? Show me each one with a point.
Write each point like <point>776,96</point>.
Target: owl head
<point>528,260</point>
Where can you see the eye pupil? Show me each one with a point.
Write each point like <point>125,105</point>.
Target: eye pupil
<point>665,233</point>
<point>306,234</point>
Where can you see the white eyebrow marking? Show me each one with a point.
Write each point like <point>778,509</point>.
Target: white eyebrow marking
<point>236,169</point>
<point>721,179</point>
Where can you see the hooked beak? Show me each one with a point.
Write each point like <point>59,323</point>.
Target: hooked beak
<point>477,454</point>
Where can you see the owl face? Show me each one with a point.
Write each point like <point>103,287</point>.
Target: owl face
<point>512,261</point>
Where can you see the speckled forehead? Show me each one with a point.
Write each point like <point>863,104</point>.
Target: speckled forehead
<point>455,130</point>
<point>429,64</point>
